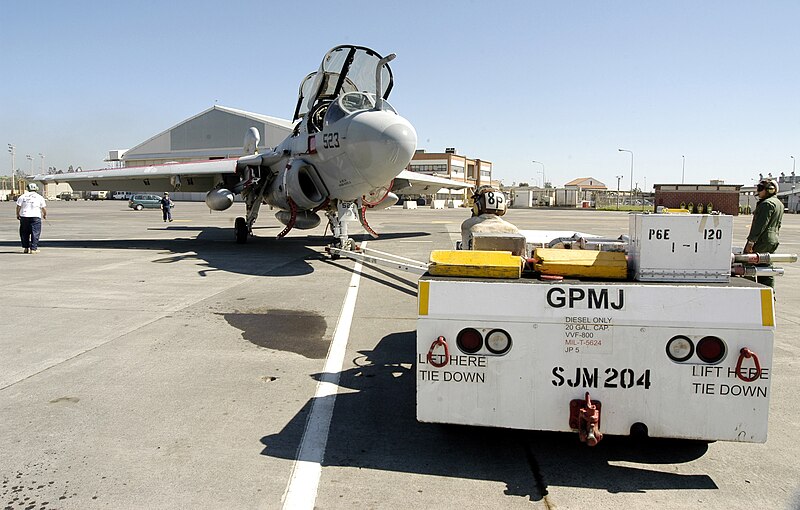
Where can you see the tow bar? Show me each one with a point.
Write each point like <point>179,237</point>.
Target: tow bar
<point>370,256</point>
<point>584,416</point>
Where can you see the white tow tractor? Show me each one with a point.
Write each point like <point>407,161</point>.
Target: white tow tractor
<point>667,360</point>
<point>648,334</point>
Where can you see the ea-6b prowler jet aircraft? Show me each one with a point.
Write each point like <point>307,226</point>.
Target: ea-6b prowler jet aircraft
<point>347,152</point>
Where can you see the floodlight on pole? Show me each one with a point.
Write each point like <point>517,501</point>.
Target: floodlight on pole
<point>626,150</point>
<point>30,163</point>
<point>41,167</point>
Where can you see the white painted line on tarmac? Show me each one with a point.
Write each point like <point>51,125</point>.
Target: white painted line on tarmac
<point>301,492</point>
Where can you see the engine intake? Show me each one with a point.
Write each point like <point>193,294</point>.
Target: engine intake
<point>299,182</point>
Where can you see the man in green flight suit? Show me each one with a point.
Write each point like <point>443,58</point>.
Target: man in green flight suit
<point>763,236</point>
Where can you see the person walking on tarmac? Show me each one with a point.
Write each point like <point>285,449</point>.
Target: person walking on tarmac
<point>166,207</point>
<point>767,217</point>
<point>488,205</point>
<point>31,209</point>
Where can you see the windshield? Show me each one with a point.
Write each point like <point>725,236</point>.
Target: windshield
<point>343,69</point>
<point>352,102</point>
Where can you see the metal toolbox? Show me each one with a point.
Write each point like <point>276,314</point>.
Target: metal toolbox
<point>681,247</point>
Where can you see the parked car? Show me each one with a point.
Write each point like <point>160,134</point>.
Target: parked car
<point>141,201</point>
<point>65,195</point>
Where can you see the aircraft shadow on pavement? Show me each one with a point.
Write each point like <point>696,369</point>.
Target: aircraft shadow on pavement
<point>215,247</point>
<point>376,428</point>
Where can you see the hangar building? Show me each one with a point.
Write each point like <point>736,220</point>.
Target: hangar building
<point>216,133</point>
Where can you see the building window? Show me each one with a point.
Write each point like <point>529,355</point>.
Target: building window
<point>429,169</point>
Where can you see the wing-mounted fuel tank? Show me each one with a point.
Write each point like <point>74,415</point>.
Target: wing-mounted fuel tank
<point>219,199</point>
<point>300,182</point>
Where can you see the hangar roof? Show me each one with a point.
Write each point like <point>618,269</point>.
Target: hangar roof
<point>216,132</point>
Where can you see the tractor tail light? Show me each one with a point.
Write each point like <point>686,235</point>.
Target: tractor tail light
<point>711,349</point>
<point>469,340</point>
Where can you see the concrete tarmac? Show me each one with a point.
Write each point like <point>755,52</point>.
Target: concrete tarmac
<point>160,365</point>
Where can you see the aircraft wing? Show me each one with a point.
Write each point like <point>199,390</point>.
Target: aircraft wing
<point>415,183</point>
<point>192,176</point>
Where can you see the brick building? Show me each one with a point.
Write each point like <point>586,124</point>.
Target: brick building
<point>697,197</point>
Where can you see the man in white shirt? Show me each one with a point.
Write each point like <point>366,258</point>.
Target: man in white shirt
<point>31,209</point>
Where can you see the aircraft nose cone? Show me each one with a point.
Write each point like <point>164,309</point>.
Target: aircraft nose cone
<point>380,145</point>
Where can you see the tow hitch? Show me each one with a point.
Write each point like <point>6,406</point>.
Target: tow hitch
<point>584,416</point>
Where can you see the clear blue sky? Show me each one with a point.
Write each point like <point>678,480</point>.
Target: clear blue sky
<point>564,83</point>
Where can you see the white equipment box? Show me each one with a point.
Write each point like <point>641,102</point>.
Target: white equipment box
<point>681,247</point>
<point>670,359</point>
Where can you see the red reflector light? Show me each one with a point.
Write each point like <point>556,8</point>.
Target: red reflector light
<point>469,340</point>
<point>711,349</point>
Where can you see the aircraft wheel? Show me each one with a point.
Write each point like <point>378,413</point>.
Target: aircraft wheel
<point>348,245</point>
<point>240,229</point>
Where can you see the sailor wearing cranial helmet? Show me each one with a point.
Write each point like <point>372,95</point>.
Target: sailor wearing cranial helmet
<point>488,205</point>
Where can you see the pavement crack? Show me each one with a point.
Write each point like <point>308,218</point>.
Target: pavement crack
<point>538,478</point>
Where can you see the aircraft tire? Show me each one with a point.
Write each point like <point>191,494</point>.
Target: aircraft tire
<point>240,229</point>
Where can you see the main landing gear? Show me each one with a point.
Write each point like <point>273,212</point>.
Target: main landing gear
<point>240,230</point>
<point>253,197</point>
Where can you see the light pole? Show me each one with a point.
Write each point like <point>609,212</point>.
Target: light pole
<point>626,150</point>
<point>13,150</point>
<point>544,179</point>
<point>619,177</point>
<point>41,168</point>
<point>683,168</point>
<point>641,194</point>
<point>30,163</point>
<point>793,197</point>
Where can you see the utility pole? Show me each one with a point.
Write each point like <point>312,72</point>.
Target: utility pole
<point>618,179</point>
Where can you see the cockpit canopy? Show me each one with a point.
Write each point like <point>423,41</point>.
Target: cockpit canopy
<point>351,102</point>
<point>344,69</point>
